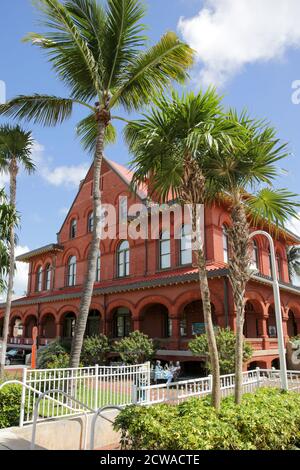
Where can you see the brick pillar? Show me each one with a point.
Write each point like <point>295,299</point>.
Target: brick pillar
<point>263,331</point>
<point>58,330</point>
<point>137,324</point>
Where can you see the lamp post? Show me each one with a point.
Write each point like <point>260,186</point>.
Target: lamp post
<point>276,293</point>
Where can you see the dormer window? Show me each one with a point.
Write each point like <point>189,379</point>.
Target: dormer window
<point>73,229</point>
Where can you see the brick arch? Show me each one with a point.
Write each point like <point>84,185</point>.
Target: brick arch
<point>30,313</point>
<point>151,300</point>
<point>66,309</point>
<point>294,307</point>
<point>46,311</point>
<point>74,215</point>
<point>97,306</point>
<point>224,219</point>
<point>191,296</point>
<point>124,192</point>
<point>256,298</point>
<point>72,251</point>
<point>118,304</point>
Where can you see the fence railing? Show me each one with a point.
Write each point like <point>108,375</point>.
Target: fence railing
<point>179,391</point>
<point>93,386</point>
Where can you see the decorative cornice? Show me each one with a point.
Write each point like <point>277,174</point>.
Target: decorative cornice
<point>53,247</point>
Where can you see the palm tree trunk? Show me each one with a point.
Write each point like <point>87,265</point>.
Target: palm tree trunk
<point>93,253</point>
<point>13,171</point>
<point>239,273</point>
<point>209,326</point>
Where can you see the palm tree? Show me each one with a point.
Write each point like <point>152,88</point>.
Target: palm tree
<point>15,151</point>
<point>246,163</point>
<point>172,143</point>
<point>99,53</point>
<point>293,255</point>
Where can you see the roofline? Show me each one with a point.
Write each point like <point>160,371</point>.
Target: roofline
<point>53,247</point>
<point>147,284</point>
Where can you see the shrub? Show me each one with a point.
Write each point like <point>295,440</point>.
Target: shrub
<point>53,354</point>
<point>225,338</point>
<point>95,350</point>
<point>266,420</point>
<point>136,348</point>
<point>10,404</point>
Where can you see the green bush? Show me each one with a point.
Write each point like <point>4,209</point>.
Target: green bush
<point>225,338</point>
<point>266,420</point>
<point>136,348</point>
<point>10,404</point>
<point>95,350</point>
<point>53,355</point>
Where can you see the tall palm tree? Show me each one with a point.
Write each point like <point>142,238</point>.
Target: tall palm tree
<point>172,143</point>
<point>99,53</point>
<point>247,164</point>
<point>15,152</point>
<point>293,255</point>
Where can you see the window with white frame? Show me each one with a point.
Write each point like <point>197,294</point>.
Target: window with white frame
<point>165,250</point>
<point>39,279</point>
<point>73,229</point>
<point>186,245</point>
<point>48,273</point>
<point>123,259</point>
<point>72,268</point>
<point>225,244</point>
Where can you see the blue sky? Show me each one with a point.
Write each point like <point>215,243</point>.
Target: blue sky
<point>252,55</point>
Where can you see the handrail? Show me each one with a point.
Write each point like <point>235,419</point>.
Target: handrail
<point>96,416</point>
<point>67,395</point>
<point>45,395</point>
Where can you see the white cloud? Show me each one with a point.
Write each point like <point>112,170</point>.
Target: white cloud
<point>294,226</point>
<point>21,276</point>
<point>65,175</point>
<point>229,34</point>
<point>69,176</point>
<point>4,179</point>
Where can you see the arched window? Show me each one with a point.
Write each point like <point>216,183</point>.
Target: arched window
<point>73,228</point>
<point>123,259</point>
<point>39,279</point>
<point>186,245</point>
<point>98,268</point>
<point>48,277</point>
<point>255,256</point>
<point>122,322</point>
<point>71,281</point>
<point>225,244</point>
<point>90,222</point>
<point>165,250</point>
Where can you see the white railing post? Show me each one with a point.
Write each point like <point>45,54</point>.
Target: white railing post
<point>134,394</point>
<point>96,406</point>
<point>23,397</point>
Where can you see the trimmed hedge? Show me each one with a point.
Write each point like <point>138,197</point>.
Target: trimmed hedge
<point>266,420</point>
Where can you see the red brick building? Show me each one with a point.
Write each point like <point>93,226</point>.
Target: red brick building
<point>148,285</point>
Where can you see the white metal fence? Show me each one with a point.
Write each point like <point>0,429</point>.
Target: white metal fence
<point>94,387</point>
<point>179,391</point>
<point>97,386</point>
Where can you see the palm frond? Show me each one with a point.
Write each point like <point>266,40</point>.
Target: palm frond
<point>87,130</point>
<point>67,44</point>
<point>293,256</point>
<point>152,71</point>
<point>272,206</point>
<point>123,37</point>
<point>40,109</point>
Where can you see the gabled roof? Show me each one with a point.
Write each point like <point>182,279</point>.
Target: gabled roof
<point>127,176</point>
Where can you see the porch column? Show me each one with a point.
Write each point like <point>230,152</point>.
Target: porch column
<point>263,330</point>
<point>137,324</point>
<point>58,330</point>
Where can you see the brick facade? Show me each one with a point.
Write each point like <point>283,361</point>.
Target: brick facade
<point>166,303</point>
